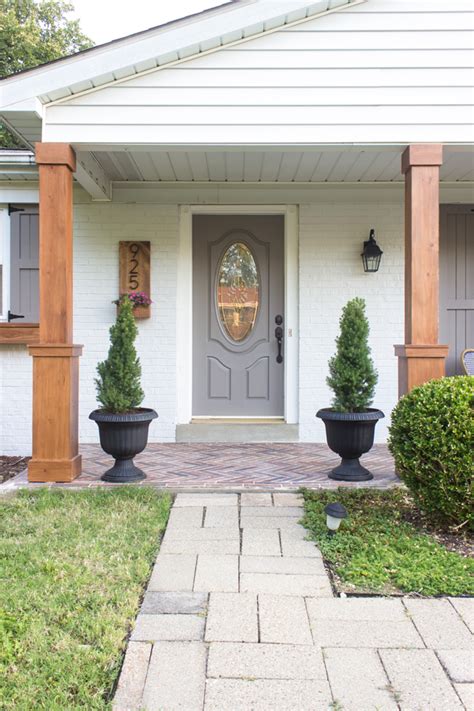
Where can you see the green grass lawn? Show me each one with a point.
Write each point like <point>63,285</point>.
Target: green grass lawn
<point>385,547</point>
<point>73,568</point>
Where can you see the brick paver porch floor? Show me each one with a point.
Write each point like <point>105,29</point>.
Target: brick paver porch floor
<point>284,467</point>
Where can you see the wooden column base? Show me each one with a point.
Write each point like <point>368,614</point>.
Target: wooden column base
<point>54,469</point>
<point>55,420</point>
<point>419,363</point>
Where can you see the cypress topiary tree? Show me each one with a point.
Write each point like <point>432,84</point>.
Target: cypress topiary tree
<point>352,375</point>
<point>118,385</point>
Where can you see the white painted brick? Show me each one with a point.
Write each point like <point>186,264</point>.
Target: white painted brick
<point>330,273</point>
<point>16,399</point>
<point>331,237</point>
<point>98,230</point>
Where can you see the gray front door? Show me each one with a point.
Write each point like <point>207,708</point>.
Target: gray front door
<point>456,282</point>
<point>238,298</point>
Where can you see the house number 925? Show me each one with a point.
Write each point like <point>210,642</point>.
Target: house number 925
<point>134,250</point>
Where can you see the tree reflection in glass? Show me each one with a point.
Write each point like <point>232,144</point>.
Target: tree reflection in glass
<point>238,291</point>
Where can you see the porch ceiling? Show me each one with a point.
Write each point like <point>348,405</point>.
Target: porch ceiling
<point>345,165</point>
<point>309,165</point>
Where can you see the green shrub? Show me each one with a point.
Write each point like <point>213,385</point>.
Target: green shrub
<point>352,376</point>
<point>118,385</point>
<point>432,441</point>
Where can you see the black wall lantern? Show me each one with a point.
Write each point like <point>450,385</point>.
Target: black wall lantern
<point>371,254</point>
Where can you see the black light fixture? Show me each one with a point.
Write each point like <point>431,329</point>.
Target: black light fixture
<point>335,512</point>
<point>371,254</point>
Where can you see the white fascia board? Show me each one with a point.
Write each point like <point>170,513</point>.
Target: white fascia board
<point>18,193</point>
<point>31,105</point>
<point>246,18</point>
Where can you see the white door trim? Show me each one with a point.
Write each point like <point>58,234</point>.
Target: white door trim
<point>184,302</point>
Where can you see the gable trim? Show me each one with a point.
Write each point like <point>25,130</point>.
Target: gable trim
<point>178,55</point>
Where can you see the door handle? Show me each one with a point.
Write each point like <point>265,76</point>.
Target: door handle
<point>279,338</point>
<point>13,316</point>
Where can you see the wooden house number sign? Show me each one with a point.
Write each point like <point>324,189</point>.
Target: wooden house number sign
<point>134,258</point>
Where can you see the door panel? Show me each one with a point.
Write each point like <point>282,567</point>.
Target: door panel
<point>456,282</point>
<point>238,291</point>
<point>258,378</point>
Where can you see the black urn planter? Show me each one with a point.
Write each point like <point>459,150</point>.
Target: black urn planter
<point>350,434</point>
<point>123,436</point>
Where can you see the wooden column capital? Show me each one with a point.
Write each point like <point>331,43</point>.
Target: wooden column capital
<point>422,154</point>
<point>56,154</point>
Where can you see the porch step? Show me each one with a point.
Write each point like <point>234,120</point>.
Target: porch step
<point>241,432</point>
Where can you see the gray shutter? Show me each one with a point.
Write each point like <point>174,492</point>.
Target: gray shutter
<point>24,256</point>
<point>456,282</point>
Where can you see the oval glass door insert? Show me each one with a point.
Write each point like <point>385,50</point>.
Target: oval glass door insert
<point>238,291</point>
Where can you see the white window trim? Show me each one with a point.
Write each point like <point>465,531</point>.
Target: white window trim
<point>184,303</point>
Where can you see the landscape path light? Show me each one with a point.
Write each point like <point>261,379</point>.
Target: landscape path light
<point>335,512</point>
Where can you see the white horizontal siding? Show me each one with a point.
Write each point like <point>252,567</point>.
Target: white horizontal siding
<point>271,96</point>
<point>362,40</point>
<point>369,19</point>
<point>262,115</point>
<point>281,59</point>
<point>410,7</point>
<point>393,72</point>
<point>189,76</point>
<point>250,134</point>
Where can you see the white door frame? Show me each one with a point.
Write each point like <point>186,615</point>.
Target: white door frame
<point>184,302</point>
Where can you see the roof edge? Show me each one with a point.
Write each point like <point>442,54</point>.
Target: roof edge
<point>125,39</point>
<point>217,32</point>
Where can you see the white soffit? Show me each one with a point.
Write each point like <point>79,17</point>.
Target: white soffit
<point>254,166</point>
<point>179,40</point>
<point>246,166</point>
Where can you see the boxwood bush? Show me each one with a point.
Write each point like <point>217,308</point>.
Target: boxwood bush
<point>432,441</point>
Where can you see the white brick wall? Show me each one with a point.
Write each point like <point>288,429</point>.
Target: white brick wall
<point>331,236</point>
<point>15,400</point>
<point>331,273</point>
<point>98,228</point>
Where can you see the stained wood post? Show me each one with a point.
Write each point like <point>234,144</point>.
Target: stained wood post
<point>55,357</point>
<point>421,358</point>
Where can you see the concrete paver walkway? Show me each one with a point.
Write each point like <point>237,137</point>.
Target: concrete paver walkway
<point>239,615</point>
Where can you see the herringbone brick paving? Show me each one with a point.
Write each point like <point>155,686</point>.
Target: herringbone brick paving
<point>234,466</point>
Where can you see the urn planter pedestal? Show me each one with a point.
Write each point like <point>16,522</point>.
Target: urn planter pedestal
<point>350,435</point>
<point>123,436</point>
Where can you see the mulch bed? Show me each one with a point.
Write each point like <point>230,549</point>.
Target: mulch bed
<point>460,541</point>
<point>11,466</point>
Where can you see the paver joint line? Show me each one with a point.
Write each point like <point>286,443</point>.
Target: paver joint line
<point>248,616</point>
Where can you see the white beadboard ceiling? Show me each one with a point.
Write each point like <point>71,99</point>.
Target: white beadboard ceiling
<point>334,166</point>
<point>250,166</point>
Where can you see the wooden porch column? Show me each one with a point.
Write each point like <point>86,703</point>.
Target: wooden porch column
<point>55,357</point>
<point>421,358</point>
